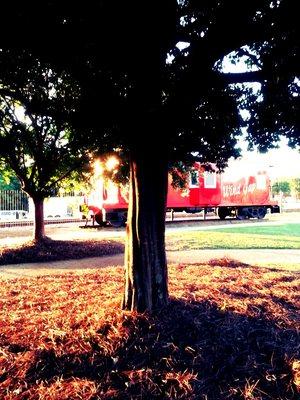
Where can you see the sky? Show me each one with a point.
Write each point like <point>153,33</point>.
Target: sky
<point>279,163</point>
<point>283,162</point>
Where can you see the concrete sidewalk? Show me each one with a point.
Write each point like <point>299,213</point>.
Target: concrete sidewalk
<point>251,257</point>
<point>247,256</point>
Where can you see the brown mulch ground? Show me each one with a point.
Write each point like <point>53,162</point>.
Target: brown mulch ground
<point>57,250</point>
<point>230,332</point>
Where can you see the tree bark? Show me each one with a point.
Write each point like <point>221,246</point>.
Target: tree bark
<point>39,223</point>
<point>146,281</point>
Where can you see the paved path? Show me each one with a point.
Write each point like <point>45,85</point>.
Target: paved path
<point>252,257</point>
<point>248,256</point>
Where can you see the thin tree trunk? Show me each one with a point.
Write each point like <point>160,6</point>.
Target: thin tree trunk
<point>146,281</point>
<point>39,223</point>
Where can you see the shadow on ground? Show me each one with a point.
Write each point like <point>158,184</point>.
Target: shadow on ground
<point>58,250</point>
<point>189,351</point>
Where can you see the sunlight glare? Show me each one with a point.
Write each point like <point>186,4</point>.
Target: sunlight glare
<point>98,168</point>
<point>111,163</point>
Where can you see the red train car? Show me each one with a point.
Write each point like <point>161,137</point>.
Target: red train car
<point>242,197</point>
<point>246,197</point>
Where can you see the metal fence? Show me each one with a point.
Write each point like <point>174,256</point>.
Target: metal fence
<point>17,209</point>
<point>13,200</point>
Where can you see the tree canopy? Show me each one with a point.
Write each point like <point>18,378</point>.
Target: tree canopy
<point>295,187</point>
<point>35,135</point>
<point>281,187</point>
<point>8,179</point>
<point>163,64</point>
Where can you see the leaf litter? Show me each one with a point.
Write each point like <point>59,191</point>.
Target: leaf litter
<point>230,331</point>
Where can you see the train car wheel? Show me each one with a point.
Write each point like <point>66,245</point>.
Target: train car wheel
<point>118,223</point>
<point>253,212</point>
<point>118,219</point>
<point>261,212</point>
<point>242,213</point>
<point>222,213</point>
<point>99,219</point>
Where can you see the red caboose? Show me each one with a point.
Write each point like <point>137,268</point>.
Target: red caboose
<point>203,191</point>
<point>246,197</point>
<point>242,197</point>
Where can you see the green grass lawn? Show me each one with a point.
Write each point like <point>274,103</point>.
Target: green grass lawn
<point>264,236</point>
<point>286,236</point>
<point>274,230</point>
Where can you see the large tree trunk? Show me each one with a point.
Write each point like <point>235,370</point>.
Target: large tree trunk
<point>146,281</point>
<point>39,223</point>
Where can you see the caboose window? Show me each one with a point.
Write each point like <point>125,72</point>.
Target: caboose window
<point>210,180</point>
<point>261,182</point>
<point>194,178</point>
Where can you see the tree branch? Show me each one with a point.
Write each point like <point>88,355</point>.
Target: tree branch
<point>252,57</point>
<point>242,77</point>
